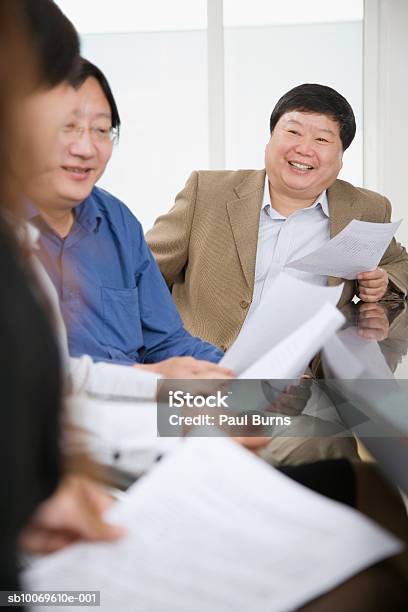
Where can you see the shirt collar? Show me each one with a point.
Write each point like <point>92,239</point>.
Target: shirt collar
<point>87,214</point>
<point>321,201</point>
<point>30,210</point>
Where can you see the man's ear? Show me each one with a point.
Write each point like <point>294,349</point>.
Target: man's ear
<point>267,144</point>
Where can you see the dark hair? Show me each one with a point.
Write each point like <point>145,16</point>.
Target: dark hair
<point>53,37</point>
<point>38,47</point>
<point>84,69</point>
<point>314,98</point>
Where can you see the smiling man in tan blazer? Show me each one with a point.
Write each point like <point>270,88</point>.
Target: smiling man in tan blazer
<point>228,230</point>
<point>229,233</point>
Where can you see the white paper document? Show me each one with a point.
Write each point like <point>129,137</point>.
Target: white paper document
<point>290,357</point>
<point>290,304</point>
<point>357,248</point>
<point>213,528</point>
<point>125,430</point>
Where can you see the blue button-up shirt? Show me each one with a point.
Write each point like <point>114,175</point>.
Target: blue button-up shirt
<point>113,298</point>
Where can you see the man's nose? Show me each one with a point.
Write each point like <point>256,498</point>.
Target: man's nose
<point>83,145</point>
<point>305,146</point>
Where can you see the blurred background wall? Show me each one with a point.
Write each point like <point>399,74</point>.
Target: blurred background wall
<point>196,80</point>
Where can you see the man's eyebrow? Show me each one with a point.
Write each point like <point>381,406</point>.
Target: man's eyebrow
<point>107,115</point>
<point>318,129</point>
<point>78,113</point>
<point>326,130</point>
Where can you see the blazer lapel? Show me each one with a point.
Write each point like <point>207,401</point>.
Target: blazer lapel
<point>243,215</point>
<point>342,210</point>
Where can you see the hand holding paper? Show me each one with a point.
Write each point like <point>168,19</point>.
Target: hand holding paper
<point>372,285</point>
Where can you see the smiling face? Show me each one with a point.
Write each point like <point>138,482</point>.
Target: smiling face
<point>304,155</point>
<point>65,137</point>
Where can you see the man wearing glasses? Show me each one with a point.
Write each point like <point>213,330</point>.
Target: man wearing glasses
<point>114,301</point>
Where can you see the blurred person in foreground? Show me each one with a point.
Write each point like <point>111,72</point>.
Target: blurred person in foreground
<point>43,45</point>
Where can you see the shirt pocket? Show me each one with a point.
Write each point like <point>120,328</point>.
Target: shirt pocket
<point>121,319</point>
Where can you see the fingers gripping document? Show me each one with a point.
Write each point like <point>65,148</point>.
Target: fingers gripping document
<point>212,528</point>
<point>286,330</point>
<point>357,248</point>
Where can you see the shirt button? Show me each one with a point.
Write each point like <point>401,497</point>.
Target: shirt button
<point>244,304</point>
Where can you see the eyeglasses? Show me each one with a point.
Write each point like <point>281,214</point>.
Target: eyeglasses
<point>98,134</point>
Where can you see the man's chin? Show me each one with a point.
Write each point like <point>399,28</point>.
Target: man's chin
<point>76,196</point>
<point>302,187</point>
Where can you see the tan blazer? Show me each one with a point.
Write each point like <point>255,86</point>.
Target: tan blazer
<point>206,247</point>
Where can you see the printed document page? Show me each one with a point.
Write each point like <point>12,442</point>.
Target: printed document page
<point>213,528</point>
<point>290,358</point>
<point>357,248</point>
<point>290,303</point>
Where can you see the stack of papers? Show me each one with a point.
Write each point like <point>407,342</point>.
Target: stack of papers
<point>212,528</point>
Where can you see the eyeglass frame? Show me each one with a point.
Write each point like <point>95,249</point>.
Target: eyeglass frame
<point>97,134</point>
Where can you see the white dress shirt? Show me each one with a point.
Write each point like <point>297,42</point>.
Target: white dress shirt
<point>283,239</point>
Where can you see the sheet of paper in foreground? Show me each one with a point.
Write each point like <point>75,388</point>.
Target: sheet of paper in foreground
<point>213,528</point>
<point>276,318</point>
<point>357,248</point>
<point>124,427</point>
<point>290,358</point>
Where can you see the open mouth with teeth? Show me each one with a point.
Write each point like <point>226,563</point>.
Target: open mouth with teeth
<point>301,167</point>
<point>77,170</point>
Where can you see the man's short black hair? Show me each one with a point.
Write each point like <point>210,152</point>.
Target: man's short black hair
<point>314,98</point>
<point>84,69</point>
<point>55,40</point>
